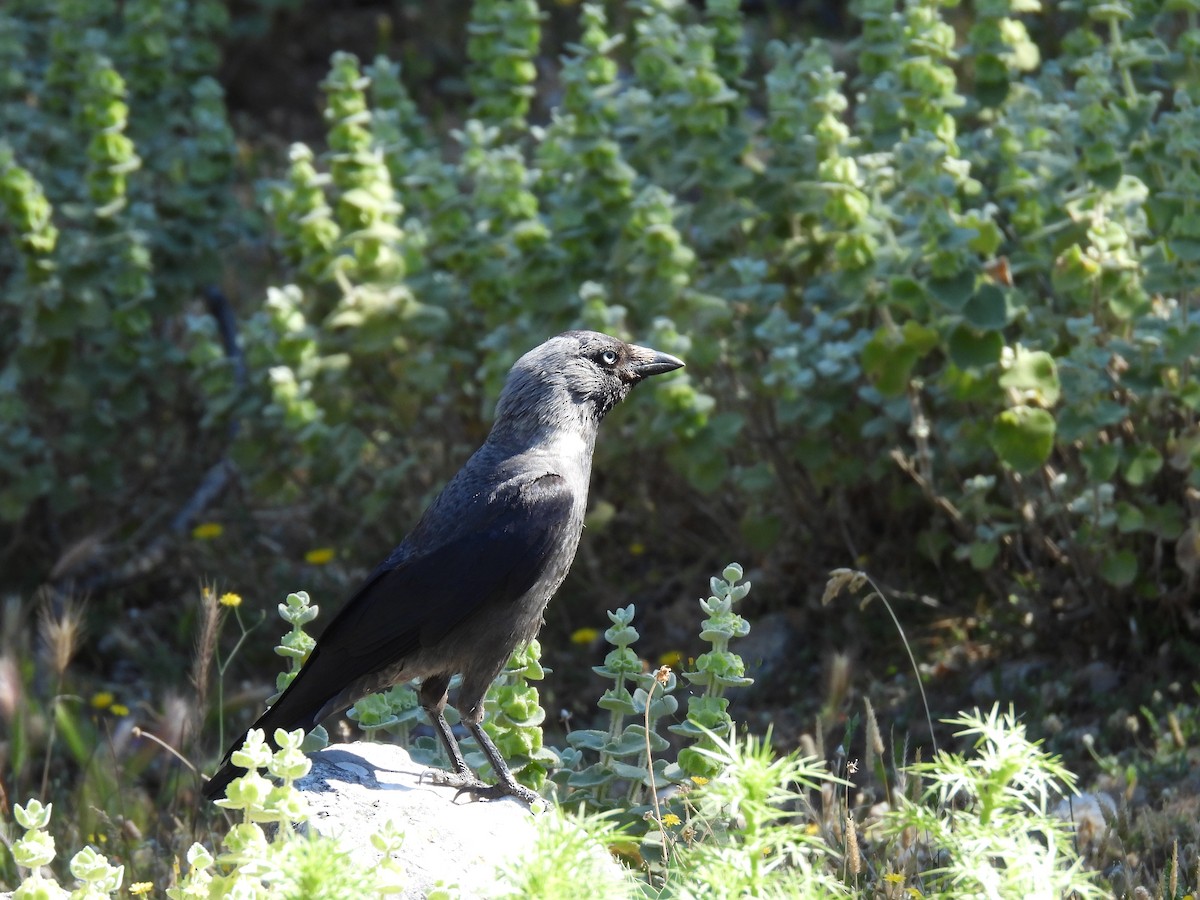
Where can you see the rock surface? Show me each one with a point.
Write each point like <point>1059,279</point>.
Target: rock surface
<point>354,789</point>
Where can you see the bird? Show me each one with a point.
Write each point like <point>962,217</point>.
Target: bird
<point>470,582</point>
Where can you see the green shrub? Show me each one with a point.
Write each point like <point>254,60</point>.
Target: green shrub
<point>955,279</point>
<point>115,168</point>
<point>250,863</point>
<point>984,825</point>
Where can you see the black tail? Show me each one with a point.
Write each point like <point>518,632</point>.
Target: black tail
<point>298,707</point>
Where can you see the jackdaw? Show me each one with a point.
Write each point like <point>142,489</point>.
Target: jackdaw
<point>470,582</point>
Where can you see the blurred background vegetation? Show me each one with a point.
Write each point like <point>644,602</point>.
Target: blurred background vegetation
<point>265,264</point>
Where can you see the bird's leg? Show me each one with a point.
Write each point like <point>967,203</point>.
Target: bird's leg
<point>506,785</point>
<point>432,695</point>
<point>433,701</point>
<point>448,742</point>
<point>467,781</point>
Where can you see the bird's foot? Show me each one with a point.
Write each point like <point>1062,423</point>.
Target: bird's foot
<point>468,783</point>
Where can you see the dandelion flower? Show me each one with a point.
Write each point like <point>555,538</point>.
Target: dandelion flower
<point>207,531</point>
<point>230,599</point>
<point>319,557</point>
<point>671,658</point>
<point>584,636</point>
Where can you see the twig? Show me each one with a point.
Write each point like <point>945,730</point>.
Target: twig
<point>138,733</point>
<point>660,677</point>
<point>853,579</point>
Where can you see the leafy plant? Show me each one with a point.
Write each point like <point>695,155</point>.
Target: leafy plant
<point>249,863</point>
<point>874,293</point>
<point>746,840</point>
<point>35,850</point>
<point>716,671</point>
<point>985,822</point>
<point>513,717</point>
<point>117,384</point>
<point>624,751</point>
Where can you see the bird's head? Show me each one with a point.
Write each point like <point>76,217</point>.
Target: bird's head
<point>577,376</point>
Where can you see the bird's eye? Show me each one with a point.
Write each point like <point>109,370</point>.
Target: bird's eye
<point>609,357</point>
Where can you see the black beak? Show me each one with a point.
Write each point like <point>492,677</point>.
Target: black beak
<point>647,362</point>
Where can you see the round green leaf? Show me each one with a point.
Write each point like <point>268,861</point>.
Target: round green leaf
<point>888,363</point>
<point>1129,518</point>
<point>1165,520</point>
<point>983,554</point>
<point>1023,437</point>
<point>1119,569</point>
<point>1033,370</point>
<point>1144,466</point>
<point>972,349</point>
<point>1074,271</point>
<point>907,291</point>
<point>1185,250</point>
<point>920,337</point>
<point>1100,462</point>
<point>988,309</point>
<point>953,292</point>
<point>1181,344</point>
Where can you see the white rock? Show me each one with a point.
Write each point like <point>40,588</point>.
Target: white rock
<point>354,789</point>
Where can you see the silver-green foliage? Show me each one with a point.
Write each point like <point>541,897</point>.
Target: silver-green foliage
<point>971,259</point>
<point>623,763</point>
<point>753,840</point>
<point>984,825</point>
<point>249,862</point>
<point>115,163</point>
<point>514,232</point>
<point>968,260</point>
<point>716,671</point>
<point>569,850</point>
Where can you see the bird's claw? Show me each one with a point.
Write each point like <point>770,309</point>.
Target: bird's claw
<point>467,783</point>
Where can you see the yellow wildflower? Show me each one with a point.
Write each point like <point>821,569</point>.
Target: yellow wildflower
<point>637,549</point>
<point>230,599</point>
<point>670,820</point>
<point>102,700</point>
<point>319,556</point>
<point>119,709</point>
<point>671,658</point>
<point>141,887</point>
<point>699,780</point>
<point>894,878</point>
<point>584,636</point>
<point>206,531</point>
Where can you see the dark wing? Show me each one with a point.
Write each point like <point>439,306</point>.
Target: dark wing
<point>417,602</point>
